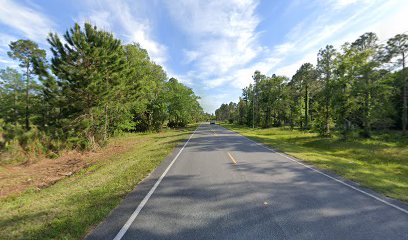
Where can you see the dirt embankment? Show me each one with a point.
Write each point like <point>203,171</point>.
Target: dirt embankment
<point>45,172</point>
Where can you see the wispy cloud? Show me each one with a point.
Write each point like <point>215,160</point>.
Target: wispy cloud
<point>339,4</point>
<point>335,25</point>
<point>317,30</point>
<point>26,21</point>
<point>190,56</point>
<point>221,32</point>
<point>5,40</point>
<point>100,18</point>
<point>122,18</point>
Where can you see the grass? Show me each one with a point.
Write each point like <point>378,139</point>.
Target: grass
<point>379,163</point>
<point>71,207</point>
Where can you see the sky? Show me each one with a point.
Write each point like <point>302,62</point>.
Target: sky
<point>212,46</point>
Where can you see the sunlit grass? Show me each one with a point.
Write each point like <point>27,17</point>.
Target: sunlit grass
<point>68,209</point>
<point>379,163</point>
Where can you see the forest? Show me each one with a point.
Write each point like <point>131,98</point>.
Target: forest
<point>352,91</point>
<point>91,88</point>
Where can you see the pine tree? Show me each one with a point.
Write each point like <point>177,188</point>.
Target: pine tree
<point>398,47</point>
<point>306,77</point>
<point>92,72</point>
<point>27,52</point>
<point>326,68</point>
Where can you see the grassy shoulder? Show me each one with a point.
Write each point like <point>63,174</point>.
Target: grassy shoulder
<point>69,208</point>
<point>380,163</point>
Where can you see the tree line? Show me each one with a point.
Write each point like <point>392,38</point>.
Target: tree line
<point>93,87</point>
<point>360,87</point>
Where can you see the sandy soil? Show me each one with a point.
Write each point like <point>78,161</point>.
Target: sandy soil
<point>45,172</point>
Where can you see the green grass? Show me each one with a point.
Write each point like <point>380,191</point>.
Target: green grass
<point>379,163</point>
<point>71,207</point>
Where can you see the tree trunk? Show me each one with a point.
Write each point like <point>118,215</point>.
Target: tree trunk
<point>291,118</point>
<point>27,114</point>
<point>105,127</point>
<point>306,107</point>
<point>327,119</point>
<point>90,134</point>
<point>366,120</point>
<point>327,106</point>
<point>404,96</point>
<point>15,106</point>
<point>343,114</point>
<point>253,112</point>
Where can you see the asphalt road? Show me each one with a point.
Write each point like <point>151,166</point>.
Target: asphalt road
<point>224,186</point>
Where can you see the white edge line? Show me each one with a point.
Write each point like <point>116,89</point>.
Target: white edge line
<point>326,175</point>
<point>132,218</point>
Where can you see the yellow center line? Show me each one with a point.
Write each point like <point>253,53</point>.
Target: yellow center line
<point>232,158</point>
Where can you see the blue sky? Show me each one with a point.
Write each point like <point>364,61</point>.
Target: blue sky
<point>212,46</point>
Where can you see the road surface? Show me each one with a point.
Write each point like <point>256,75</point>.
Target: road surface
<point>221,185</point>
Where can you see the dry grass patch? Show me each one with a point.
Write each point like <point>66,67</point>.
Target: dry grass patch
<point>72,206</point>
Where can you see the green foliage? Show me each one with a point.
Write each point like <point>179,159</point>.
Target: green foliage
<point>326,67</point>
<point>182,104</point>
<point>92,72</point>
<point>27,53</point>
<point>397,47</point>
<point>351,91</point>
<point>12,96</point>
<point>227,112</point>
<point>93,88</point>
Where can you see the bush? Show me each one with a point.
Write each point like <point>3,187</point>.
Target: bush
<point>174,124</point>
<point>11,132</point>
<point>19,145</point>
<point>2,140</point>
<point>319,125</point>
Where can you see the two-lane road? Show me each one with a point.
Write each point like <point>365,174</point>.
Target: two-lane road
<point>224,186</point>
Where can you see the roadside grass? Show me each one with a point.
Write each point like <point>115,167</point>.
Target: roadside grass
<point>379,163</point>
<point>72,206</point>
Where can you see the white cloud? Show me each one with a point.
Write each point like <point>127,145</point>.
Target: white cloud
<point>190,55</point>
<point>138,30</point>
<point>102,19</point>
<point>181,78</point>
<point>232,61</point>
<point>339,4</point>
<point>242,76</point>
<point>225,49</point>
<point>305,39</point>
<point>222,32</point>
<point>284,48</point>
<point>315,31</point>
<point>5,40</point>
<point>215,100</point>
<point>391,20</point>
<point>5,61</point>
<point>290,69</point>
<point>122,18</point>
<point>27,21</point>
